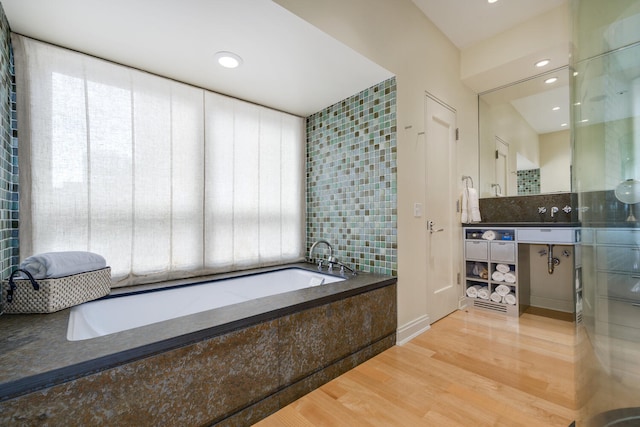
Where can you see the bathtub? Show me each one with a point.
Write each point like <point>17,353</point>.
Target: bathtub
<point>116,313</point>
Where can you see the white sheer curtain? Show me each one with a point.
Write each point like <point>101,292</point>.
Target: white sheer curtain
<point>163,179</point>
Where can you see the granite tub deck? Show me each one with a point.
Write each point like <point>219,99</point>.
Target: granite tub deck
<point>228,366</point>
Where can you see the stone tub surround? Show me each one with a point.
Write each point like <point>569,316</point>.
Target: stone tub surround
<point>232,365</point>
<point>519,209</point>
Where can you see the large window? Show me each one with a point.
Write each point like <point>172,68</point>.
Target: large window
<point>163,179</point>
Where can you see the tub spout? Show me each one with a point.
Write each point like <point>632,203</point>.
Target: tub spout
<point>343,267</point>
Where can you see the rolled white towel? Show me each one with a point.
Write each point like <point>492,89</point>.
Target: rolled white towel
<point>495,297</point>
<point>483,293</point>
<point>59,264</point>
<point>489,235</point>
<point>510,299</point>
<point>510,278</point>
<point>497,276</point>
<point>502,290</point>
<point>472,291</point>
<point>503,268</point>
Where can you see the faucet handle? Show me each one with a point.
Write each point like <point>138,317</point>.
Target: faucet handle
<point>542,209</point>
<point>567,209</point>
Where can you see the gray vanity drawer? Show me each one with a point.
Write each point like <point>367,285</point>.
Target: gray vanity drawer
<point>547,235</point>
<point>618,258</point>
<point>623,286</point>
<point>618,237</point>
<point>618,312</point>
<point>503,251</point>
<point>477,249</point>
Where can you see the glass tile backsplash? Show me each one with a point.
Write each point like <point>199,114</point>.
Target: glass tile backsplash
<point>351,179</point>
<point>9,158</point>
<point>528,182</point>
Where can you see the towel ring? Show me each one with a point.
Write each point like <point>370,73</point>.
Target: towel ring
<point>466,179</point>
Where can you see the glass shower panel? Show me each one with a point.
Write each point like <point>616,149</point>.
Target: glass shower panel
<point>606,159</point>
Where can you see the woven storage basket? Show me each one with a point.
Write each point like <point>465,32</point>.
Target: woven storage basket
<point>54,294</point>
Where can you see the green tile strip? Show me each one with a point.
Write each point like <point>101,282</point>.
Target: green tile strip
<point>528,182</point>
<point>351,179</point>
<point>8,155</point>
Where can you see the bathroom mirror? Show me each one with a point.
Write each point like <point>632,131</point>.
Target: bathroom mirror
<point>524,137</point>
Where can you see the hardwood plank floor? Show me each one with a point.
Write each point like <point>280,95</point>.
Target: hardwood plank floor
<point>472,368</point>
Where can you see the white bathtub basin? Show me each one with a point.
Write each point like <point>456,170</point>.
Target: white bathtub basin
<point>110,315</point>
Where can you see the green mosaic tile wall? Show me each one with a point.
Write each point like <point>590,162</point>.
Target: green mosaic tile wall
<point>528,182</point>
<point>8,155</point>
<point>351,179</point>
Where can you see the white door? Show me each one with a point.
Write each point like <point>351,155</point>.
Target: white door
<point>443,247</point>
<point>502,168</point>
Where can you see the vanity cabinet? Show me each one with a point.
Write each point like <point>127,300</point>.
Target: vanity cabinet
<point>617,293</point>
<point>493,271</point>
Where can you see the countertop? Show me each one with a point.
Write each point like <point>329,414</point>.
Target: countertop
<point>35,352</point>
<point>522,224</point>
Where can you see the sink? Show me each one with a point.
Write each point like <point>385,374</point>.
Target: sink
<point>622,417</point>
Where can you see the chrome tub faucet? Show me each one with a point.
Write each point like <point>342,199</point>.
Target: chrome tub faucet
<point>314,246</point>
<point>331,260</point>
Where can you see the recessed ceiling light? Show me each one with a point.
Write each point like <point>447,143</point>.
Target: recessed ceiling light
<point>555,108</point>
<point>563,125</point>
<point>551,80</point>
<point>228,59</point>
<point>491,1</point>
<point>542,63</point>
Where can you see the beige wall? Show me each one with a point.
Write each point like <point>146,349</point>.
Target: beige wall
<point>504,121</point>
<point>555,161</point>
<point>396,35</point>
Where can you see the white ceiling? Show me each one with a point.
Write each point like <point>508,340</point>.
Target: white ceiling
<point>467,22</point>
<point>288,64</point>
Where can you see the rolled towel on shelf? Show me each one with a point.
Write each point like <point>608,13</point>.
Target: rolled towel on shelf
<point>510,278</point>
<point>472,291</point>
<point>495,297</point>
<point>52,265</point>
<point>503,268</point>
<point>483,293</point>
<point>510,299</point>
<point>502,290</point>
<point>497,276</point>
<point>489,235</point>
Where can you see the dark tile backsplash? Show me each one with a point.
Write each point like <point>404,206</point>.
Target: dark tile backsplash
<point>525,208</point>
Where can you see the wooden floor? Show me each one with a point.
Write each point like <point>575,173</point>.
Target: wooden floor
<point>472,368</point>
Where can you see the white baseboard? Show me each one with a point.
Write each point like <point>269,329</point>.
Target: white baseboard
<point>409,331</point>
